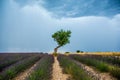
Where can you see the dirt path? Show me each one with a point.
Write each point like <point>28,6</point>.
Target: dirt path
<point>57,71</point>
<point>26,73</point>
<point>95,74</point>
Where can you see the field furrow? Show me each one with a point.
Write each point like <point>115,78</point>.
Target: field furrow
<point>14,70</point>
<point>57,71</point>
<point>98,65</point>
<point>26,73</point>
<point>71,68</point>
<point>43,71</point>
<point>96,75</point>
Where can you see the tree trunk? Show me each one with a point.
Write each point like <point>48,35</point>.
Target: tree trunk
<point>55,50</point>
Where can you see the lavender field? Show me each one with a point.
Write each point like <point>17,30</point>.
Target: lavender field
<point>43,66</point>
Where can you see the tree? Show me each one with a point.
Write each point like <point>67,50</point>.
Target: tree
<point>62,38</point>
<point>78,51</point>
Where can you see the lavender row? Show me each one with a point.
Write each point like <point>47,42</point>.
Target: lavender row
<point>18,67</point>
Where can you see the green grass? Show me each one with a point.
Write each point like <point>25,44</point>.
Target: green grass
<point>73,69</point>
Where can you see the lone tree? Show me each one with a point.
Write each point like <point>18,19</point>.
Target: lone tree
<point>62,38</point>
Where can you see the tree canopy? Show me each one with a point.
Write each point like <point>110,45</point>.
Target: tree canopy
<point>61,37</point>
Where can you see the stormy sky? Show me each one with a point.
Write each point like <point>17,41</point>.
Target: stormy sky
<point>27,25</point>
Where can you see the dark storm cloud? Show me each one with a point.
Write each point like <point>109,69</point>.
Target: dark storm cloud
<point>76,8</point>
<point>72,8</point>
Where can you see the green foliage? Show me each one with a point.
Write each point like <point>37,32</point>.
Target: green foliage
<point>67,52</point>
<point>78,51</point>
<point>10,73</point>
<point>62,37</point>
<point>55,54</point>
<point>72,68</point>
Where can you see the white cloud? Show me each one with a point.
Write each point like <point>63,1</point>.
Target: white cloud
<point>35,9</point>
